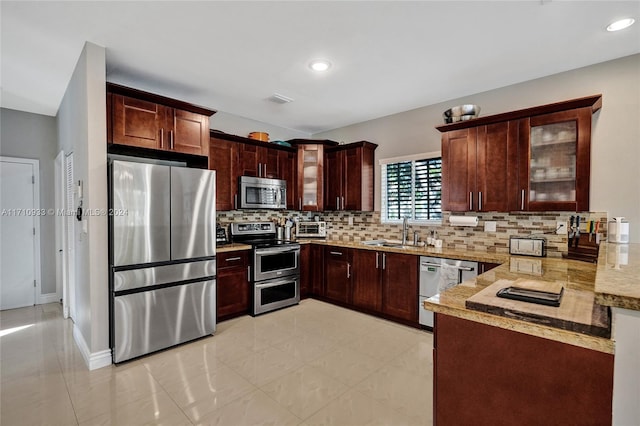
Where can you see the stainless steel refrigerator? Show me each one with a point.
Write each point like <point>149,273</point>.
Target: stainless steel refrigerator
<point>162,256</point>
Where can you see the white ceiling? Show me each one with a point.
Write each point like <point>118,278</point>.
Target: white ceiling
<point>388,56</point>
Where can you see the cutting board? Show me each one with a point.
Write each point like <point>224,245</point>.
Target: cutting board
<point>577,310</point>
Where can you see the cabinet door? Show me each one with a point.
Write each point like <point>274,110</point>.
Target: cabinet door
<point>190,132</point>
<point>459,170</point>
<point>337,283</point>
<point>317,270</point>
<point>334,180</point>
<point>358,179</point>
<point>400,286</point>
<point>367,285</point>
<point>269,161</point>
<point>138,123</point>
<point>555,161</point>
<point>232,284</point>
<point>310,177</point>
<point>287,171</point>
<point>496,164</point>
<point>249,160</point>
<point>223,159</point>
<point>305,270</point>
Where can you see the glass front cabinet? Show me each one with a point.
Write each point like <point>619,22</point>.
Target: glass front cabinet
<point>555,161</point>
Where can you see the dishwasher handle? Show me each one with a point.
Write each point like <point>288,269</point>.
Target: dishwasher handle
<point>435,265</point>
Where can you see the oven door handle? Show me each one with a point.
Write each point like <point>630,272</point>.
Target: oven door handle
<point>276,251</point>
<point>275,283</point>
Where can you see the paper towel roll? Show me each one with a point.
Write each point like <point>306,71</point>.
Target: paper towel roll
<point>463,220</point>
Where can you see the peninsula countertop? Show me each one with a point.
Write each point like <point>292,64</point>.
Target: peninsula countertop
<point>618,276</point>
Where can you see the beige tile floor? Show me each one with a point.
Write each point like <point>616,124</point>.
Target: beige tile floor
<point>311,364</point>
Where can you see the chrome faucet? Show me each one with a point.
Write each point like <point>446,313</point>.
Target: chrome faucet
<point>405,231</point>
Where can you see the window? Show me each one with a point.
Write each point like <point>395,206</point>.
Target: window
<point>412,187</point>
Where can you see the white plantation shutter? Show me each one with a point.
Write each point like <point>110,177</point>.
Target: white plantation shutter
<point>412,188</point>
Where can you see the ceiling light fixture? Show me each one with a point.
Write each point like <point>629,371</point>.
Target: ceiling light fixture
<point>621,24</point>
<point>320,65</point>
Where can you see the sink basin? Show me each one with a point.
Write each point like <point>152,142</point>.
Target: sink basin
<point>383,243</point>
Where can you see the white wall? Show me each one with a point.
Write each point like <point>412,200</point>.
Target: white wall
<point>82,130</point>
<point>34,136</point>
<point>241,126</point>
<point>615,149</point>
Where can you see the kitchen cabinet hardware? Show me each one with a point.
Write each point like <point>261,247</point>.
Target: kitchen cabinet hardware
<point>522,200</point>
<point>348,270</point>
<point>300,203</point>
<point>480,200</point>
<point>235,202</point>
<point>377,256</point>
<point>470,200</point>
<point>337,203</point>
<point>171,143</point>
<point>248,273</point>
<point>384,261</point>
<point>232,259</point>
<point>161,138</point>
<point>335,253</point>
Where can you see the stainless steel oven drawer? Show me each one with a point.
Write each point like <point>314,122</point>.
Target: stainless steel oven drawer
<point>275,294</point>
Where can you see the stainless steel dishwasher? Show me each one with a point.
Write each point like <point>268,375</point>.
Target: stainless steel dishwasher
<point>437,275</point>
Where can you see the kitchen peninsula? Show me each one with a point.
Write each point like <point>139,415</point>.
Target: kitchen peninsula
<point>530,373</point>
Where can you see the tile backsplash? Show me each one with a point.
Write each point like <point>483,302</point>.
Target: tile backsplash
<point>366,226</point>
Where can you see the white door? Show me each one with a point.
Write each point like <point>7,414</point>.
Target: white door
<point>18,205</point>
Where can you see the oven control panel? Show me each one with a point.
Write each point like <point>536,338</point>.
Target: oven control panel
<point>253,228</point>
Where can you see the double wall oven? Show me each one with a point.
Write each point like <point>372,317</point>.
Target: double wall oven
<point>275,277</point>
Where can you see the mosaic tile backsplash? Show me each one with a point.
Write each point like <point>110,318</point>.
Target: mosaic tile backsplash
<point>366,226</point>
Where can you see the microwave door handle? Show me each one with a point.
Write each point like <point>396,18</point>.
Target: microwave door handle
<point>278,196</point>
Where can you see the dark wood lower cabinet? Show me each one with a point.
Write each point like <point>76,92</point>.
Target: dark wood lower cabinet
<point>233,287</point>
<point>337,269</point>
<point>400,286</point>
<point>485,375</point>
<point>367,286</point>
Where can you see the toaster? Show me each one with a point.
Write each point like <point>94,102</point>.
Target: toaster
<point>311,230</point>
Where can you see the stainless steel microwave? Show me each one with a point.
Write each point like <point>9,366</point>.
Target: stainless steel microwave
<point>262,193</point>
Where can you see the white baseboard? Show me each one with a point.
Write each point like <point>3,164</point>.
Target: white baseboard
<point>93,360</point>
<point>48,298</point>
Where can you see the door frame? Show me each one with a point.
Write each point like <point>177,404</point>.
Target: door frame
<point>62,275</point>
<point>37,296</point>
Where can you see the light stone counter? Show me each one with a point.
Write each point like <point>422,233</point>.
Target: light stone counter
<point>232,247</point>
<point>618,276</point>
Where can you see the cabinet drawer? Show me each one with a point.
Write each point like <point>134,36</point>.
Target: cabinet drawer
<point>233,259</point>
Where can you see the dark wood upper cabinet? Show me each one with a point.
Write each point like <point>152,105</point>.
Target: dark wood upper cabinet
<point>145,120</point>
<point>233,156</point>
<point>555,161</point>
<point>349,173</point>
<point>223,158</point>
<point>536,159</point>
<point>310,173</point>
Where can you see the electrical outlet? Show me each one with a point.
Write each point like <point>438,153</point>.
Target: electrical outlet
<point>561,228</point>
<point>490,226</point>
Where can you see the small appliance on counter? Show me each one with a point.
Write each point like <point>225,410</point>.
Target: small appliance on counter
<point>524,246</point>
<point>221,235</point>
<point>311,230</point>
<point>618,231</point>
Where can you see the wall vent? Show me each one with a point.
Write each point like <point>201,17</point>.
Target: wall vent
<point>279,99</point>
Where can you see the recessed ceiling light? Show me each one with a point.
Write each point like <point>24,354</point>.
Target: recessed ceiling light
<point>319,65</point>
<point>621,24</point>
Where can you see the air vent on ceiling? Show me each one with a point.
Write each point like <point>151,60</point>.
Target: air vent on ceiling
<point>279,99</point>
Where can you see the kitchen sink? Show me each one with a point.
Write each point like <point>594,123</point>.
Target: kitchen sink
<point>384,243</point>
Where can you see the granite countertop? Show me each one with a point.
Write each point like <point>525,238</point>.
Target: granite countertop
<point>618,276</point>
<point>572,274</point>
<point>232,247</point>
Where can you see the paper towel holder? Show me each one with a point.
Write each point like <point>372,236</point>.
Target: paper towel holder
<point>463,220</point>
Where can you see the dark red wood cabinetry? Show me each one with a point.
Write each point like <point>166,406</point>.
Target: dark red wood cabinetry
<point>234,156</point>
<point>337,274</point>
<point>144,120</point>
<point>386,283</point>
<point>349,172</point>
<point>536,159</point>
<point>479,168</point>
<point>233,289</point>
<point>485,375</point>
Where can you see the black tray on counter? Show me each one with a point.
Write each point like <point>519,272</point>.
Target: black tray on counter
<point>531,296</point>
